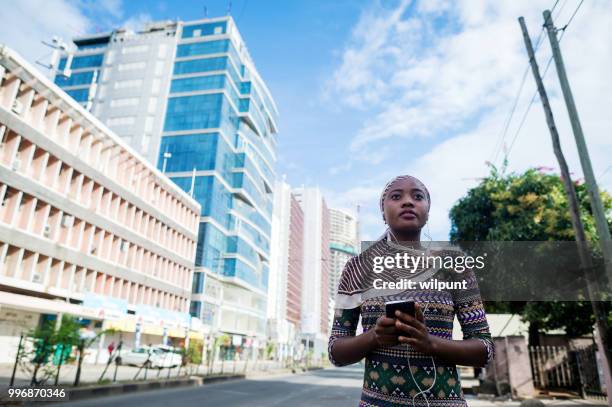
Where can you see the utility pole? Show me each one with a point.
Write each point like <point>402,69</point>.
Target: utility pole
<point>585,258</point>
<point>589,177</point>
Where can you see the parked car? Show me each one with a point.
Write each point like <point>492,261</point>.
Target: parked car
<point>169,356</point>
<point>155,356</point>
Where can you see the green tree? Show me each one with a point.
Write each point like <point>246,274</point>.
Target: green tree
<point>529,207</point>
<point>66,337</point>
<point>192,354</point>
<point>35,358</point>
<point>49,344</point>
<point>270,349</point>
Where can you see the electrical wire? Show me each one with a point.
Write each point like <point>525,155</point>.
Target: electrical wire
<point>524,118</point>
<point>572,17</point>
<point>244,5</point>
<point>504,132</point>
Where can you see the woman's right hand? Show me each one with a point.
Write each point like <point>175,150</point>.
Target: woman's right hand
<point>384,332</point>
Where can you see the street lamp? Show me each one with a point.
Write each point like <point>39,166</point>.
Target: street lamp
<point>167,155</point>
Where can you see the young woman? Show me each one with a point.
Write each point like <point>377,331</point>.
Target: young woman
<point>408,361</point>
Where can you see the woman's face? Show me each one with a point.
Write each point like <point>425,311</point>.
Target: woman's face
<point>406,206</point>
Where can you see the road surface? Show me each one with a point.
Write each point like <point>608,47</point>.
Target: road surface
<point>336,387</point>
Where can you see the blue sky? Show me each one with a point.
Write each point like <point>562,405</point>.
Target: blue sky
<point>369,90</point>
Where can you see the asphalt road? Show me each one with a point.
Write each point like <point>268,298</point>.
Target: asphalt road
<point>329,387</point>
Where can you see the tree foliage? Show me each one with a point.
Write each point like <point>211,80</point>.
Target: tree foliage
<point>48,344</point>
<point>531,206</point>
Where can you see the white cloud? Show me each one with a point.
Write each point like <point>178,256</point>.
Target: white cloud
<point>337,169</point>
<point>112,7</point>
<point>450,86</point>
<point>357,79</point>
<point>136,23</point>
<point>26,23</point>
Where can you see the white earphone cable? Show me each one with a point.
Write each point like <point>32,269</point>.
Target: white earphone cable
<point>421,391</point>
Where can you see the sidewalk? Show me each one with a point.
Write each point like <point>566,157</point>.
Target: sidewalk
<point>472,402</point>
<point>226,370</point>
<point>90,373</point>
<point>195,377</point>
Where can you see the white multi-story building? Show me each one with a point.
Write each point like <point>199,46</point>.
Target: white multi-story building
<point>343,244</point>
<point>88,227</point>
<point>123,78</point>
<point>315,280</point>
<point>286,270</point>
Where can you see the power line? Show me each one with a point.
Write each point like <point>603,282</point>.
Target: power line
<point>509,119</point>
<point>518,130</point>
<point>524,118</point>
<point>560,9</point>
<point>499,145</point>
<point>244,5</point>
<point>604,171</point>
<point>572,17</point>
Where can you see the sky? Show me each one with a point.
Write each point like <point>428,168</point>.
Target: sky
<point>368,90</point>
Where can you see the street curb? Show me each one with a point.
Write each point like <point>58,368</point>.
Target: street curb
<point>120,388</point>
<point>220,378</point>
<point>105,390</point>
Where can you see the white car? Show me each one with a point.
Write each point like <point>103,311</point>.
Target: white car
<point>168,356</point>
<point>155,356</point>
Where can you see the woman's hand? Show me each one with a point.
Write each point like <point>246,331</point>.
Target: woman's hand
<point>414,332</point>
<point>384,332</point>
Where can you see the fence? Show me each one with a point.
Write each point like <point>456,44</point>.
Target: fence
<point>563,368</point>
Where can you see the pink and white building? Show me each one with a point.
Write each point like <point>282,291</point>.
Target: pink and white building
<point>87,226</point>
<point>284,310</point>
<point>315,324</point>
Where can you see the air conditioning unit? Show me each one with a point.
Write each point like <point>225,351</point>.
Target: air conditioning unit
<point>17,107</point>
<point>67,221</point>
<point>16,164</point>
<point>124,246</point>
<point>47,231</point>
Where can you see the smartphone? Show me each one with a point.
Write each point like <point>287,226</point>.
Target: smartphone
<point>406,307</point>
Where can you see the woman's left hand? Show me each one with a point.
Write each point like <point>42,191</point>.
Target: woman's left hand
<point>414,331</point>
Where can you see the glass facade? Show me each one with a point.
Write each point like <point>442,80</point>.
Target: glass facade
<point>219,124</point>
<point>87,67</point>
<point>217,141</point>
<point>198,30</point>
<point>198,283</point>
<point>202,48</point>
<point>197,83</point>
<point>80,95</point>
<point>85,61</point>
<point>76,79</point>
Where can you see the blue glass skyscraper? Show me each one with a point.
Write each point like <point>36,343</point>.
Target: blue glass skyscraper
<point>219,142</point>
<point>188,97</point>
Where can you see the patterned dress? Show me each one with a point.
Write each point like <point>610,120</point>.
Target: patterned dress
<point>387,378</point>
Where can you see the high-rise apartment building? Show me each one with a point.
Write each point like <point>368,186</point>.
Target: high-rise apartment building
<point>343,244</point>
<point>88,227</point>
<point>188,96</point>
<point>315,325</point>
<point>286,270</point>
